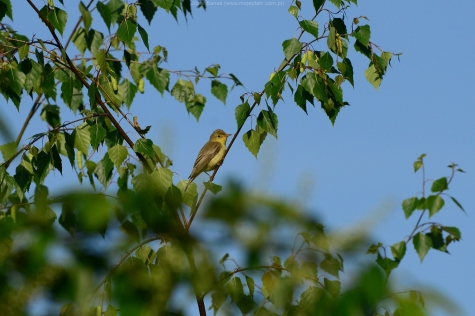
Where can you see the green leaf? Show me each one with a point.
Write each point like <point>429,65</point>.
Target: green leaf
<point>32,70</point>
<point>57,17</point>
<point>165,4</point>
<point>98,133</point>
<point>310,27</point>
<point>362,34</point>
<point>454,231</point>
<point>417,165</point>
<point>310,297</point>
<point>434,204</point>
<point>50,114</point>
<point>291,47</point>
<point>159,78</point>
<point>8,150</point>
<point>128,91</point>
<point>331,265</point>
<point>214,188</point>
<point>68,219</point>
<point>301,96</point>
<point>144,36</point>
<point>117,154</point>
<point>242,112</point>
<point>196,106</point>
<point>326,61</point>
<point>219,90</point>
<point>144,146</point>
<point>422,244</point>
<point>253,141</point>
<point>104,169</point>
<point>457,203</point>
<point>439,185</point>
<point>250,285</point>
<point>5,9</point>
<point>148,9</point>
<point>409,206</point>
<point>346,69</point>
<point>82,139</point>
<point>374,248</point>
<point>294,11</point>
<point>332,287</point>
<point>315,86</point>
<point>317,4</point>
<point>16,79</point>
<point>234,289</point>
<point>162,178</point>
<point>126,31</point>
<point>217,299</point>
<point>183,91</point>
<point>86,15</point>
<point>398,250</point>
<point>387,264</point>
<point>105,13</point>
<point>189,196</point>
<point>267,120</point>
<point>23,178</point>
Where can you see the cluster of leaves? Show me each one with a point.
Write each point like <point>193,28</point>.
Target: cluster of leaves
<point>314,76</point>
<point>425,235</point>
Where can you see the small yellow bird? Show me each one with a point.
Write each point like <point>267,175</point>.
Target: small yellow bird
<point>210,155</point>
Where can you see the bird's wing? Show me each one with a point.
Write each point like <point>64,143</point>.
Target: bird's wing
<point>204,157</point>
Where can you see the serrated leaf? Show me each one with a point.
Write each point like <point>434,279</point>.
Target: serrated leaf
<point>417,165</point>
<point>117,154</point>
<point>267,120</point>
<point>294,11</point>
<point>219,90</point>
<point>362,34</point>
<point>126,31</point>
<point>326,61</point>
<point>253,141</point>
<point>144,146</point>
<point>159,78</point>
<point>57,17</point>
<point>409,206</point>
<point>105,13</point>
<point>387,264</point>
<point>8,150</point>
<point>144,36</point>
<point>331,265</point>
<point>6,9</point>
<point>128,91</point>
<point>439,185</point>
<point>422,244</point>
<point>310,27</point>
<point>434,204</point>
<point>291,47</point>
<point>82,138</point>
<point>162,178</point>
<point>242,112</point>
<point>189,196</point>
<point>86,15</point>
<point>165,4</point>
<point>15,79</point>
<point>346,69</point>
<point>213,188</point>
<point>398,250</point>
<point>332,287</point>
<point>453,231</point>
<point>234,289</point>
<point>148,9</point>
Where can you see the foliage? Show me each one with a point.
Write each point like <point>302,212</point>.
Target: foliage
<point>288,266</point>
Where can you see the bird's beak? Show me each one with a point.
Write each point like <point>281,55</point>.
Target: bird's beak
<point>227,135</point>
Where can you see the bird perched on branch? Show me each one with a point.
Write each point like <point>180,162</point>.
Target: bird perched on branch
<point>210,155</point>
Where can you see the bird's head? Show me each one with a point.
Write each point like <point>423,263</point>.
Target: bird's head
<point>219,136</point>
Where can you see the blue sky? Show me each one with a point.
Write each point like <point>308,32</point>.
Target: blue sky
<point>360,169</point>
